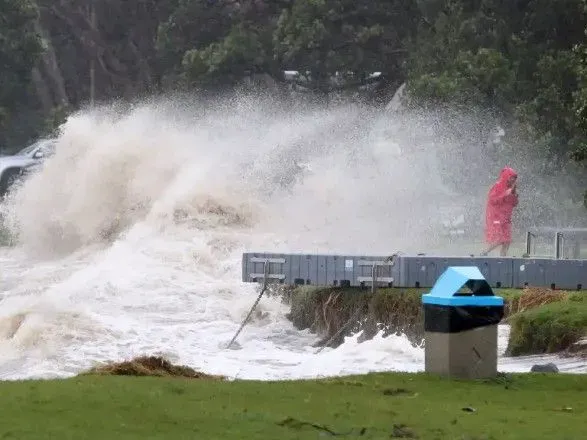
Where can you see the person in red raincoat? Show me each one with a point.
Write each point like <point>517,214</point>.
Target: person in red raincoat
<point>501,201</point>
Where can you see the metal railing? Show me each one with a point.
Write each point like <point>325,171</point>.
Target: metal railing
<point>576,237</point>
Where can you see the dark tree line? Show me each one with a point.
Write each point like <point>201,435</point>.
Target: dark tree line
<point>520,61</point>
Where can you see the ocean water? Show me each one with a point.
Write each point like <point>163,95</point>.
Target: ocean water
<point>129,241</point>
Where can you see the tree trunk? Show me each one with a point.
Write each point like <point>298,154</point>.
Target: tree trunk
<point>43,91</point>
<point>51,68</point>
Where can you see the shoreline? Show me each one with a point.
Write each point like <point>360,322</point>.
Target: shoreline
<point>567,364</point>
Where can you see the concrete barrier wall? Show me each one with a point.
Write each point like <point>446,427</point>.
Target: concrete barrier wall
<point>316,270</point>
<point>410,271</point>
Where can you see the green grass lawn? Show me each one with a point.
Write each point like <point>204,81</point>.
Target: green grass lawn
<point>376,406</point>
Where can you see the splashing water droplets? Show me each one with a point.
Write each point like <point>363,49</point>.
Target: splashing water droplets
<point>130,238</point>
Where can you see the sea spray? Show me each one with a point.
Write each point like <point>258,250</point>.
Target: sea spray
<point>129,240</point>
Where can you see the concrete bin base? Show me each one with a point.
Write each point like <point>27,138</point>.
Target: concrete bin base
<point>470,354</point>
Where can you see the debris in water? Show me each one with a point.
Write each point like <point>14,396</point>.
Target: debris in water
<point>149,366</point>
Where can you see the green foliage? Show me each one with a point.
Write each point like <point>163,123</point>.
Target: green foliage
<point>351,38</point>
<point>522,63</point>
<point>476,78</point>
<point>520,60</point>
<point>54,120</point>
<point>241,52</point>
<point>580,106</point>
<point>192,24</point>
<point>549,328</point>
<point>542,329</point>
<point>325,310</point>
<point>20,48</point>
<point>216,43</point>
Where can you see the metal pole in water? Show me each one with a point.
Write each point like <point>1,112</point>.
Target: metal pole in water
<point>265,275</point>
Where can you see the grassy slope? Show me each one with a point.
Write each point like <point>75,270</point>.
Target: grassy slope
<point>383,405</point>
<point>393,307</point>
<point>537,327</point>
<point>549,328</point>
<point>411,294</point>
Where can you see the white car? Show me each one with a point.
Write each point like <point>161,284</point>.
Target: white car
<point>27,159</point>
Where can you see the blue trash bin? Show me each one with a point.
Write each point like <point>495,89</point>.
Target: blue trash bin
<point>461,326</point>
<point>447,310</point>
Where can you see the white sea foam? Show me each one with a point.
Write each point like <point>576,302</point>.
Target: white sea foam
<point>130,239</point>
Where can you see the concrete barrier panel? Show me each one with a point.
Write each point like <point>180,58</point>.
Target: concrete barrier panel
<point>411,270</point>
<point>550,273</point>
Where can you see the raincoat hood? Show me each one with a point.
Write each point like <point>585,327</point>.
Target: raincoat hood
<point>506,173</point>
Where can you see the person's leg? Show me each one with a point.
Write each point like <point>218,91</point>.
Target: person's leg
<point>506,238</point>
<point>504,249</point>
<point>493,234</point>
<point>489,249</point>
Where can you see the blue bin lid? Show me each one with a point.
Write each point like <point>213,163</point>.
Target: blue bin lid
<point>446,289</point>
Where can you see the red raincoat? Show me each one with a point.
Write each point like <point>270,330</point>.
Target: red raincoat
<point>498,214</point>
